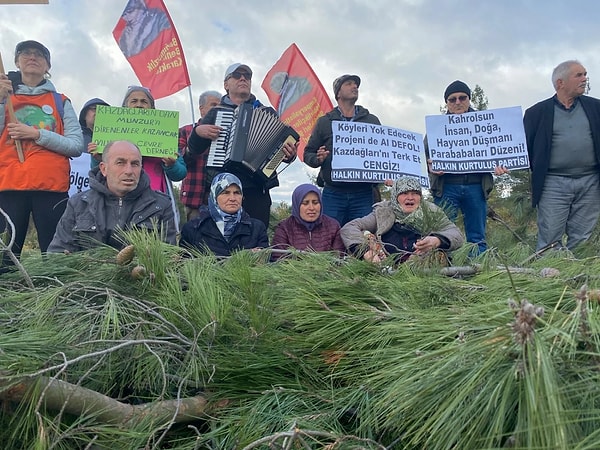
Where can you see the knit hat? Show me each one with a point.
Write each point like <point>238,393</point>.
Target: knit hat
<point>235,66</point>
<point>337,83</point>
<point>145,90</point>
<point>456,86</point>
<point>33,44</point>
<point>406,184</point>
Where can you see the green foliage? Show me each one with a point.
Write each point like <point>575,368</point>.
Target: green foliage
<point>323,352</point>
<point>479,100</point>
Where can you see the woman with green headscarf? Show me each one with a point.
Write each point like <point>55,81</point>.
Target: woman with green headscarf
<point>402,226</point>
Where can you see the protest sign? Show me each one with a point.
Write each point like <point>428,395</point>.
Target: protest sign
<point>477,141</point>
<point>79,180</point>
<point>364,152</point>
<point>154,131</point>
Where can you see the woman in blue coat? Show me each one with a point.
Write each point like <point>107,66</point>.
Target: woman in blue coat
<point>223,227</point>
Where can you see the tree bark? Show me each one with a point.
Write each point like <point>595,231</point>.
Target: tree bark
<point>78,401</point>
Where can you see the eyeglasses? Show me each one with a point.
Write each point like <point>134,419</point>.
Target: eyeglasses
<point>239,75</point>
<point>32,52</point>
<point>460,98</point>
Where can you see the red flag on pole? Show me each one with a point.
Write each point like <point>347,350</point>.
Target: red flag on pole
<point>146,36</point>
<point>295,91</point>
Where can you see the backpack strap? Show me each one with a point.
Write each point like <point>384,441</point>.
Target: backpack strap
<point>59,100</point>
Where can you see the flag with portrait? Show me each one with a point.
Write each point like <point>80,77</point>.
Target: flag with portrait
<point>296,93</point>
<point>147,37</point>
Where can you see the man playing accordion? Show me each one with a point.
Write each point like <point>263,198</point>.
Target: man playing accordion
<point>237,84</point>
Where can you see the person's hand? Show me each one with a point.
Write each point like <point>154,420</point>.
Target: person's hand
<point>5,87</point>
<point>373,256</point>
<point>427,244</point>
<point>389,182</point>
<point>169,162</point>
<point>435,172</point>
<point>21,131</point>
<point>500,170</point>
<point>290,150</point>
<point>92,149</point>
<point>375,253</point>
<point>322,154</point>
<point>208,131</point>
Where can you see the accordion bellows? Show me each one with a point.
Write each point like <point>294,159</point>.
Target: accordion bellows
<point>250,140</point>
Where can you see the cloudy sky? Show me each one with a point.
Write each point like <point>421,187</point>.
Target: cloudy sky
<point>405,51</point>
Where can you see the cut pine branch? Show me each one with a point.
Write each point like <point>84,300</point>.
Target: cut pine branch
<point>77,400</point>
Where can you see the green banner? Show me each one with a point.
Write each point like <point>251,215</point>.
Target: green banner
<point>154,131</point>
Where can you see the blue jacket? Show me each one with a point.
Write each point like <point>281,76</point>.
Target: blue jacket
<point>202,233</point>
<point>539,121</point>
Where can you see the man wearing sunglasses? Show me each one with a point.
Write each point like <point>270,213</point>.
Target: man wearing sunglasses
<point>464,192</point>
<point>238,85</point>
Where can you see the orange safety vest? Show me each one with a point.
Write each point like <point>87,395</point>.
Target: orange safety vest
<point>43,169</point>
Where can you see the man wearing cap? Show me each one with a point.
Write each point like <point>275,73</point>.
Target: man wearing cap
<point>563,141</point>
<point>238,84</point>
<point>464,192</point>
<point>343,201</point>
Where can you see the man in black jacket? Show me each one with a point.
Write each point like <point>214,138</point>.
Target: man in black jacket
<point>349,200</point>
<point>563,141</point>
<point>238,85</point>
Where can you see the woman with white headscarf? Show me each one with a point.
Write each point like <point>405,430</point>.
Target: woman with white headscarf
<point>223,227</point>
<point>401,226</point>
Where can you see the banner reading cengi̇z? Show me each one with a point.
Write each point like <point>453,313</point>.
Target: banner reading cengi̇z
<point>374,153</point>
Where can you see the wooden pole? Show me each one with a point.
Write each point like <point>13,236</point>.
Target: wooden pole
<point>12,118</point>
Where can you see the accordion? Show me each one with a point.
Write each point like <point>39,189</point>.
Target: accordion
<point>251,140</point>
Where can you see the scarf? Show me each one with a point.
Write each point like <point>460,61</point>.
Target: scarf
<point>226,223</point>
<point>297,197</point>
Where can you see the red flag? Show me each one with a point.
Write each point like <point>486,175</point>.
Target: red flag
<point>146,36</point>
<point>295,91</point>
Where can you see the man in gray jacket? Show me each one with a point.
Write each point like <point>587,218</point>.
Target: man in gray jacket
<point>120,198</point>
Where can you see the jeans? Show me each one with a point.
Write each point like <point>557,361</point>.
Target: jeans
<point>346,206</point>
<point>470,201</point>
<point>568,206</point>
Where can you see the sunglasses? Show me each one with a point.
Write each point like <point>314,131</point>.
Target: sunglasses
<point>239,75</point>
<point>460,98</point>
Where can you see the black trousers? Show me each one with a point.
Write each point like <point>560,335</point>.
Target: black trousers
<point>257,203</point>
<point>46,208</point>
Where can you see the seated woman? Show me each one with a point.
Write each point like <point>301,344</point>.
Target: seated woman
<point>402,226</point>
<point>307,228</point>
<point>223,226</point>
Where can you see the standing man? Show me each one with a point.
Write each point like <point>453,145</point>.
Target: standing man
<point>464,192</point>
<point>343,201</point>
<point>563,141</point>
<point>238,85</point>
<point>120,198</point>
<point>193,191</point>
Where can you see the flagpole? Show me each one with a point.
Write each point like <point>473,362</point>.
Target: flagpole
<point>191,104</point>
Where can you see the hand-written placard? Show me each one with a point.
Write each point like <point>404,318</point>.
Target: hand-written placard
<point>477,141</point>
<point>154,131</point>
<point>364,152</point>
